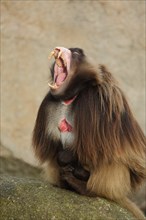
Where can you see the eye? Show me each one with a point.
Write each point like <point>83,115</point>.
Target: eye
<point>76,53</point>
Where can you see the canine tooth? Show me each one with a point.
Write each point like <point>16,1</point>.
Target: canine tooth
<point>58,62</point>
<point>59,54</point>
<point>53,86</point>
<point>56,53</point>
<point>51,55</point>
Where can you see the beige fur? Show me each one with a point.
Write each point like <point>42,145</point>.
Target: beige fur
<point>51,172</point>
<point>106,181</point>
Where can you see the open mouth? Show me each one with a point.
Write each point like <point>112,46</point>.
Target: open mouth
<point>62,66</point>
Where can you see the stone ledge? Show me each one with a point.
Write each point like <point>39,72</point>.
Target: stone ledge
<point>27,199</point>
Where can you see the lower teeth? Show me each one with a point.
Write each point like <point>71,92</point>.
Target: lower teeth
<point>53,86</point>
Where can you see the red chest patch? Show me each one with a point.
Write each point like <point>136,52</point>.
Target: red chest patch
<point>64,126</point>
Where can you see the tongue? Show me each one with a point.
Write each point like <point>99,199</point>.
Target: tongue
<point>60,78</point>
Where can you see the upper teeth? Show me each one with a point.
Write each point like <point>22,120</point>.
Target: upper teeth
<point>57,54</point>
<point>59,62</point>
<point>51,54</point>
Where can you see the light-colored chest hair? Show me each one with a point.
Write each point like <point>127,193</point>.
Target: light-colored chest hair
<point>56,113</point>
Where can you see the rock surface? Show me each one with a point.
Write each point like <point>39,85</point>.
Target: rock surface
<point>17,168</point>
<point>111,32</point>
<point>26,198</point>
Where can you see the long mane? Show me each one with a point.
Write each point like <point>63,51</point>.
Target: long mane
<point>105,128</point>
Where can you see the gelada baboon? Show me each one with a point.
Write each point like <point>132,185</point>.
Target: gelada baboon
<point>86,134</point>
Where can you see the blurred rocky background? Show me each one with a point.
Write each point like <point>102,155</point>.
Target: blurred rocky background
<point>111,32</point>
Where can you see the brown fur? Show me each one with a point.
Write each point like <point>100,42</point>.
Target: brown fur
<point>109,132</point>
<point>107,139</point>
